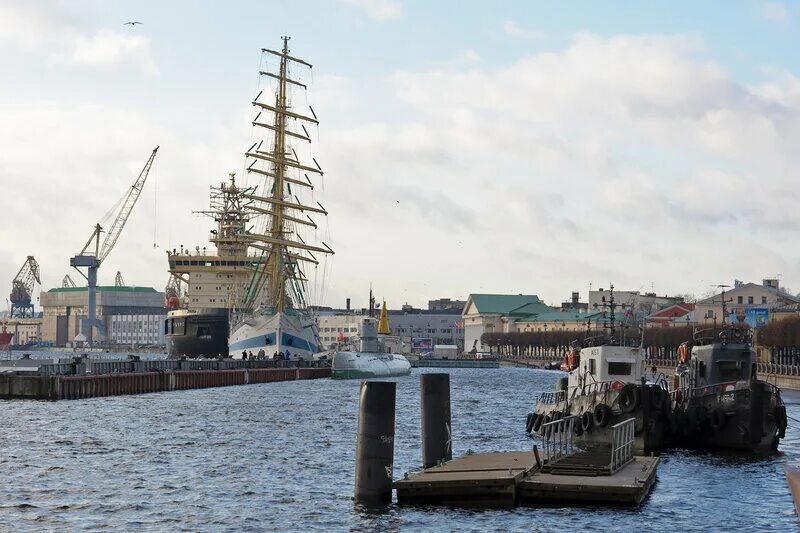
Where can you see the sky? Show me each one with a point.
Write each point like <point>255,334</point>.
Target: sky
<point>505,147</point>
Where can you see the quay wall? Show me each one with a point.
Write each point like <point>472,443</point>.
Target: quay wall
<point>74,387</point>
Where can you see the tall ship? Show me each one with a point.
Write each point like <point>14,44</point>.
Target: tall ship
<point>204,285</point>
<point>273,313</point>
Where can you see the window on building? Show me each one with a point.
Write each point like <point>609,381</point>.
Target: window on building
<point>763,299</point>
<point>739,300</point>
<point>750,300</point>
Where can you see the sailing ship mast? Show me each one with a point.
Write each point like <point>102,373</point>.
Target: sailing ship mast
<point>281,246</point>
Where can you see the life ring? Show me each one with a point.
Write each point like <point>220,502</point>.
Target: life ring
<point>529,422</point>
<point>602,415</point>
<point>629,398</point>
<point>659,396</point>
<point>586,421</point>
<point>717,419</point>
<point>683,352</point>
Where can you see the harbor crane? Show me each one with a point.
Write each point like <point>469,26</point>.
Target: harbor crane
<point>118,281</point>
<point>91,259</point>
<point>67,282</point>
<point>22,289</point>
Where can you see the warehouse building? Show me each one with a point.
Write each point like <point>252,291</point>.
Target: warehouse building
<point>64,309</point>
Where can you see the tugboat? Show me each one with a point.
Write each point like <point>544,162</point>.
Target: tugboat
<point>720,403</point>
<point>606,384</point>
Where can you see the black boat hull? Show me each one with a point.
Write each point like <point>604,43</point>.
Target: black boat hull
<point>751,418</point>
<point>197,335</point>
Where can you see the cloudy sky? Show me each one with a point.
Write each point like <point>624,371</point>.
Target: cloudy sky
<point>525,146</point>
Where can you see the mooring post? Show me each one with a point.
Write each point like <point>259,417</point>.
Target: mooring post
<point>375,446</point>
<point>437,444</point>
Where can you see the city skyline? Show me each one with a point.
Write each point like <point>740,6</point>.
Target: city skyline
<point>521,151</point>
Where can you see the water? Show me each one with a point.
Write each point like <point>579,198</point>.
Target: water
<point>280,457</point>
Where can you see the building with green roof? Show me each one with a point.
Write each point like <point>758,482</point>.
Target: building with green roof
<point>511,313</point>
<point>63,309</point>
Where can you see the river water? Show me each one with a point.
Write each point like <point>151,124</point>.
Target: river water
<point>281,457</point>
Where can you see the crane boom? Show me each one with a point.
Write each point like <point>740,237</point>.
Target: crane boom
<point>125,210</point>
<point>92,259</point>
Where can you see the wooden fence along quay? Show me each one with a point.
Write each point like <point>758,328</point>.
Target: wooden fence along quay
<point>86,378</point>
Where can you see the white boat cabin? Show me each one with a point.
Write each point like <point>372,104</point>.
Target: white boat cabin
<point>597,364</point>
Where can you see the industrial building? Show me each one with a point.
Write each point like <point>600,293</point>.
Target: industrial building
<point>417,331</point>
<point>64,309</point>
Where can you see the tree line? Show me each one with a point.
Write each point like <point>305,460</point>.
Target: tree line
<point>660,342</point>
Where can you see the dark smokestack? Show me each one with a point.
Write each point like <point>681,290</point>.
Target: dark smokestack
<point>348,304</point>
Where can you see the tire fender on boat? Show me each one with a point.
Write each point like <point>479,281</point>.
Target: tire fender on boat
<point>602,415</point>
<point>586,421</point>
<point>659,395</point>
<point>529,422</point>
<point>537,422</point>
<point>717,419</point>
<point>629,398</point>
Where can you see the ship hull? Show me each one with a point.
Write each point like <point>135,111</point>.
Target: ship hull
<point>5,340</point>
<point>651,414</point>
<point>280,335</point>
<point>361,365</point>
<point>750,418</point>
<point>197,334</point>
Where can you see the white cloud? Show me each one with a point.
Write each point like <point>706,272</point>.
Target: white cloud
<point>630,159</point>
<point>107,48</point>
<point>512,29</point>
<point>381,10</point>
<point>775,12</point>
<point>44,28</point>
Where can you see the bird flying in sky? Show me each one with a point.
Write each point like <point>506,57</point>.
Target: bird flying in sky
<point>132,23</point>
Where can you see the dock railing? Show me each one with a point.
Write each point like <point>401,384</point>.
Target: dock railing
<point>552,398</point>
<point>557,438</point>
<point>622,438</point>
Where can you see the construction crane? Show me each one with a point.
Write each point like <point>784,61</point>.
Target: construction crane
<point>67,282</point>
<point>118,281</point>
<point>92,259</point>
<point>22,289</point>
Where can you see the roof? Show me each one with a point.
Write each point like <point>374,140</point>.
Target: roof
<point>673,311</point>
<point>530,309</point>
<point>500,304</point>
<point>105,288</point>
<point>777,292</point>
<point>564,316</point>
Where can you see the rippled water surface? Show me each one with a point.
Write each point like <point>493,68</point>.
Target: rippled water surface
<point>280,456</point>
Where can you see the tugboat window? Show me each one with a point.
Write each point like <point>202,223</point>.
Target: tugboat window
<point>591,366</point>
<point>729,370</point>
<point>619,369</point>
